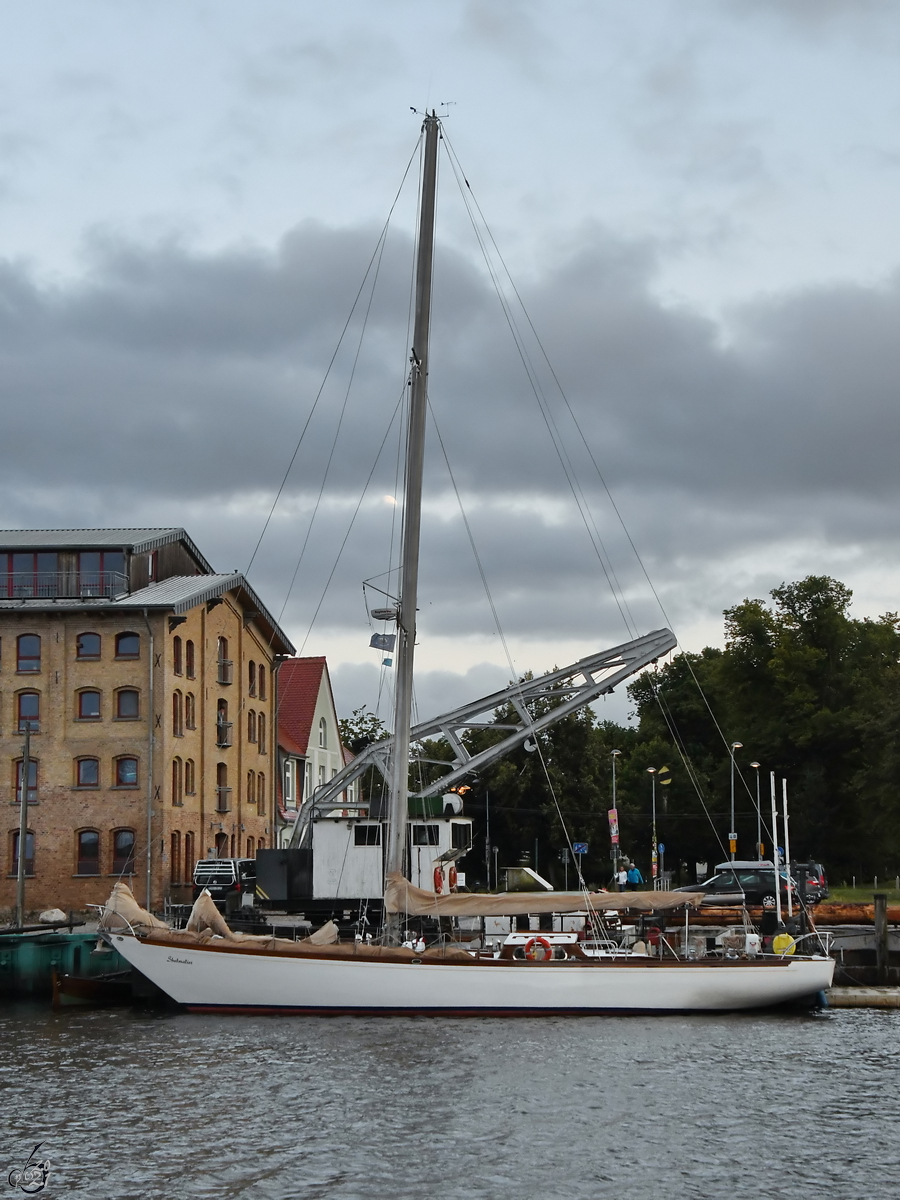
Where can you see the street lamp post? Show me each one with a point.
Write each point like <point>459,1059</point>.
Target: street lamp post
<point>651,771</point>
<point>732,833</point>
<point>759,848</point>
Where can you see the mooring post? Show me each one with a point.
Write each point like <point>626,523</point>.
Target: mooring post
<point>881,937</point>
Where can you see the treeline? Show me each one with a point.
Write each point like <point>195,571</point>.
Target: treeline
<point>811,693</point>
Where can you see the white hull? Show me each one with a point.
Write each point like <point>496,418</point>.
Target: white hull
<point>211,979</point>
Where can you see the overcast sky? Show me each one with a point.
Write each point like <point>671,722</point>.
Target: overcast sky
<point>697,202</point>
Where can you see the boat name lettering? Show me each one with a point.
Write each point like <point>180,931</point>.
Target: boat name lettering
<point>187,961</point>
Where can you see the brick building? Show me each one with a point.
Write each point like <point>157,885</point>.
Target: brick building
<point>148,682</point>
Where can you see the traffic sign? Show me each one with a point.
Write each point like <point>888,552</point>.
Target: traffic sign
<point>662,847</point>
<point>580,847</point>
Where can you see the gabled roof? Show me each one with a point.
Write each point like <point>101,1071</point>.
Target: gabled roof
<point>138,541</point>
<point>299,684</point>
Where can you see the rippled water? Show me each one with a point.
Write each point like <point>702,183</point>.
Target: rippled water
<point>150,1104</point>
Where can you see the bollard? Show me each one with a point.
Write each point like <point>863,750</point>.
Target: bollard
<point>881,938</point>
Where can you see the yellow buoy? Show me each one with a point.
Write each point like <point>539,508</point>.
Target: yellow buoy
<point>783,943</point>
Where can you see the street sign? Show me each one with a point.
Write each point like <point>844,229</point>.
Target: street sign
<point>564,854</point>
<point>662,847</point>
<point>580,847</point>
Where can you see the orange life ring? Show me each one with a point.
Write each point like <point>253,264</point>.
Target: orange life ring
<point>438,881</point>
<point>531,951</point>
<point>452,877</point>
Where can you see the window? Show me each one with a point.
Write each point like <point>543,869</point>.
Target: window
<point>251,847</point>
<point>123,852</point>
<point>323,734</point>
<point>321,776</point>
<point>128,645</point>
<point>251,726</point>
<point>425,835</point>
<point>261,844</point>
<point>101,573</point>
<point>175,859</point>
<point>221,845</point>
<point>29,853</point>
<point>188,857</point>
<point>32,781</point>
<point>189,786</point>
<point>225,664</point>
<point>189,668</point>
<point>28,573</point>
<point>223,725</point>
<point>89,706</point>
<point>126,772</point>
<point>28,708</point>
<point>177,782</point>
<point>460,835</point>
<point>261,681</point>
<point>128,704</point>
<point>177,714</point>
<point>88,852</point>
<point>87,772</point>
<point>367,835</point>
<point>223,791</point>
<point>190,711</point>
<point>251,678</point>
<point>177,656</point>
<point>289,782</point>
<point>251,787</point>
<point>261,732</point>
<point>28,654</point>
<point>87,645</point>
<point>261,793</point>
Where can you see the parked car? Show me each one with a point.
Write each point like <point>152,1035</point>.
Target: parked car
<point>816,883</point>
<point>739,883</point>
<point>231,881</point>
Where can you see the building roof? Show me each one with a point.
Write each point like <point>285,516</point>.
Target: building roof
<point>299,683</point>
<point>138,541</point>
<point>178,594</point>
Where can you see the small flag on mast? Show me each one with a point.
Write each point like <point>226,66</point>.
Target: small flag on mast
<point>383,641</point>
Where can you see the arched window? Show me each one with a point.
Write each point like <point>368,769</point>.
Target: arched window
<point>251,726</point>
<point>14,852</point>
<point>128,704</point>
<point>251,678</point>
<point>251,847</point>
<point>188,857</point>
<point>28,654</point>
<point>123,851</point>
<point>87,852</point>
<point>190,711</point>
<point>261,793</point>
<point>261,732</point>
<point>87,772</point>
<point>177,656</point>
<point>223,791</point>
<point>177,714</point>
<point>175,858</point>
<point>223,725</point>
<point>89,705</point>
<point>221,845</point>
<point>128,645</point>
<point>224,662</point>
<point>28,711</point>
<point>261,681</point>
<point>127,772</point>
<point>189,668</point>
<point>189,784</point>
<point>251,787</point>
<point>32,780</point>
<point>232,846</point>
<point>87,645</point>
<point>261,844</point>
<point>177,782</point>
<point>323,734</point>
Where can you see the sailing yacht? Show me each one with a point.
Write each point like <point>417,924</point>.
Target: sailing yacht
<point>211,968</point>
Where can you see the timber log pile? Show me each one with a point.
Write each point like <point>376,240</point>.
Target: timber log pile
<point>821,914</point>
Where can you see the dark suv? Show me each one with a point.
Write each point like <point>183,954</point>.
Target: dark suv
<point>231,881</point>
<point>816,883</point>
<point>739,883</point>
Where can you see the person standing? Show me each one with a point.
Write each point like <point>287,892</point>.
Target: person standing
<point>634,878</point>
<point>621,877</point>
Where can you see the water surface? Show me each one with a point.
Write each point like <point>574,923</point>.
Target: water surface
<point>145,1105</point>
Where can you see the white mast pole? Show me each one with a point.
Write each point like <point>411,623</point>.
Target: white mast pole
<point>775,848</point>
<point>787,847</point>
<point>412,520</point>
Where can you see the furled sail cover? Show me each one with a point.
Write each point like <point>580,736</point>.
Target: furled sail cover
<point>401,897</point>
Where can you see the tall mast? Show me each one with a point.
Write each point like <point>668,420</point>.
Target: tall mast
<point>412,518</point>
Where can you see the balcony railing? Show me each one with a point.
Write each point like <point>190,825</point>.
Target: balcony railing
<point>223,799</point>
<point>226,670</point>
<point>52,585</point>
<point>223,733</point>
